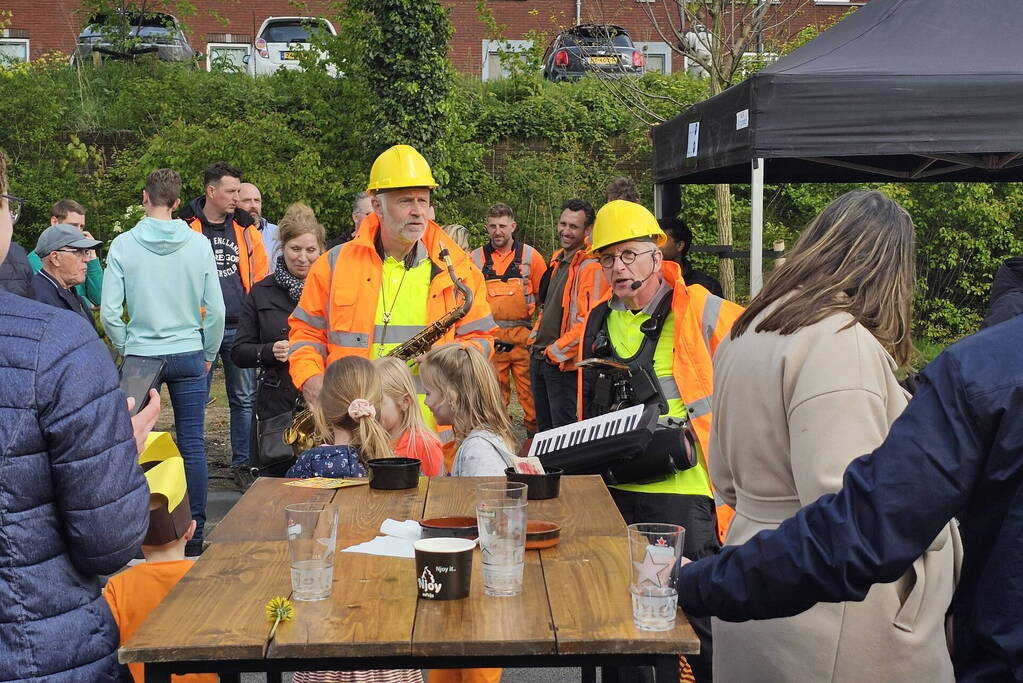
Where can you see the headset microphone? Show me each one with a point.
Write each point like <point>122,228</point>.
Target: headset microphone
<point>636,284</point>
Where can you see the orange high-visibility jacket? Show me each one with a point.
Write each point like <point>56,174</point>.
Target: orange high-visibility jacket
<point>702,321</point>
<point>255,265</point>
<point>347,297</point>
<point>585,287</point>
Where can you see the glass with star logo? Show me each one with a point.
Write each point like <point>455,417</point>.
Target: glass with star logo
<point>656,551</point>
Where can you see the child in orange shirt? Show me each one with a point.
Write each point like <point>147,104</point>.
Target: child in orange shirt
<point>401,417</point>
<point>135,592</point>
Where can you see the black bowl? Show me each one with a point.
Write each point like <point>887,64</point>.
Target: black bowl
<point>450,527</point>
<point>393,473</point>
<point>540,486</point>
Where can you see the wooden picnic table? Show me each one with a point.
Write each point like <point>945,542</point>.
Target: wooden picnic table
<point>575,608</point>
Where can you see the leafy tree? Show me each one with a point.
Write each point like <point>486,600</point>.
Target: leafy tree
<point>403,48</point>
<point>119,22</point>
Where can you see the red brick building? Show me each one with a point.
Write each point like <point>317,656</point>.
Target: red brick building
<point>35,28</point>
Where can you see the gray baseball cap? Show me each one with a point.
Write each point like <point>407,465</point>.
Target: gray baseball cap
<point>60,236</point>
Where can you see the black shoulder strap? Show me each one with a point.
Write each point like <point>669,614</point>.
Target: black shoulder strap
<point>488,262</point>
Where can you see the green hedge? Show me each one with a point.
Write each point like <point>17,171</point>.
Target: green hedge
<point>94,133</point>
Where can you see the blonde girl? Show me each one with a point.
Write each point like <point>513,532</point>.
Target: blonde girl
<point>461,390</point>
<point>346,419</point>
<point>401,417</point>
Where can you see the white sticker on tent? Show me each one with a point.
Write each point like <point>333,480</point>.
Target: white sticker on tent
<point>741,119</point>
<point>694,140</point>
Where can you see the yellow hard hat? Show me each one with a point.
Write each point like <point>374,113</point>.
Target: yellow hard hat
<point>397,167</point>
<point>621,221</point>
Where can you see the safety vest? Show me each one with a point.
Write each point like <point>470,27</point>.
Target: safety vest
<point>255,265</point>
<point>339,312</point>
<point>510,294</point>
<point>682,365</point>
<point>586,286</point>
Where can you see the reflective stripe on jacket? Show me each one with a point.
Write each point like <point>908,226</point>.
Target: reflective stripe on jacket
<point>347,297</point>
<point>585,288</point>
<point>255,266</point>
<point>701,321</point>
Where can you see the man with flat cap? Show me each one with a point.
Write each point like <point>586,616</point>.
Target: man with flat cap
<point>65,254</point>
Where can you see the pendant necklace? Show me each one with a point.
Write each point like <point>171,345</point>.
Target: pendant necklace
<point>388,309</point>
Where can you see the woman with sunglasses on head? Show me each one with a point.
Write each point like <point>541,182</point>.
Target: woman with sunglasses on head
<point>805,384</point>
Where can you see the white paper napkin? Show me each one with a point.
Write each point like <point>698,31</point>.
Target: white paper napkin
<point>396,542</point>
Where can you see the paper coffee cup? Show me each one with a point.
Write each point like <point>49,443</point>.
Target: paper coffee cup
<point>444,567</point>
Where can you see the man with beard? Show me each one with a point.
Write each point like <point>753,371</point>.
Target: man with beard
<point>572,286</point>
<point>241,262</point>
<point>513,271</point>
<point>393,284</point>
<point>250,199</point>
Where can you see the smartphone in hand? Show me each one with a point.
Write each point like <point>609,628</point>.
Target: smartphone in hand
<point>139,374</point>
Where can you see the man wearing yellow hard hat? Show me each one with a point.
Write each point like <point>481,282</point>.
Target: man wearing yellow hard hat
<point>373,293</point>
<point>667,333</point>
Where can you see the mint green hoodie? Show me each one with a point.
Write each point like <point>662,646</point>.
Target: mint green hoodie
<point>166,274</point>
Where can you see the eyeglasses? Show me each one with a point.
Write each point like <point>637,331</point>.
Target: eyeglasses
<point>628,257</point>
<point>80,251</point>
<point>14,205</point>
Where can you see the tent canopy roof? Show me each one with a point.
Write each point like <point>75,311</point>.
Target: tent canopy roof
<point>901,89</point>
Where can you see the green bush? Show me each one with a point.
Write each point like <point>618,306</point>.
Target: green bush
<point>94,133</point>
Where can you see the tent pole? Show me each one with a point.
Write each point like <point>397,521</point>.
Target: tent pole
<point>756,228</point>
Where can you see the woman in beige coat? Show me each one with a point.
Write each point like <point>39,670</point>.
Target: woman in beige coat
<point>805,384</point>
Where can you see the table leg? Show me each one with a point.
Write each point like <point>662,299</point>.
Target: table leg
<point>155,673</point>
<point>589,674</point>
<point>610,674</point>
<point>231,677</point>
<point>274,677</point>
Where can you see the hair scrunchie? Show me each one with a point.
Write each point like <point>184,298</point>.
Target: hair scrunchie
<point>360,408</point>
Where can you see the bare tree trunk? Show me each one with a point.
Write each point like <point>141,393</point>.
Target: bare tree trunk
<point>726,266</point>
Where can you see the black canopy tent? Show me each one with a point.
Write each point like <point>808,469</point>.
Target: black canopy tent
<point>905,90</point>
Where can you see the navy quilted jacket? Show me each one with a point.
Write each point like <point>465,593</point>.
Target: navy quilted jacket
<point>73,501</point>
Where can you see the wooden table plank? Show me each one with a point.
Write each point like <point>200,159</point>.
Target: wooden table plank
<point>584,506</point>
<point>259,514</point>
<point>588,584</point>
<point>217,610</point>
<point>484,625</point>
<point>373,599</point>
<point>370,612</point>
<point>363,510</point>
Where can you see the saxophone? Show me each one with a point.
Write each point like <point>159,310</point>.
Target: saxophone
<point>301,435</point>
<point>420,343</point>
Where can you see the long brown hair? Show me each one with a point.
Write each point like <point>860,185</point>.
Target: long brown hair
<point>470,388</point>
<point>347,379</point>
<point>857,257</point>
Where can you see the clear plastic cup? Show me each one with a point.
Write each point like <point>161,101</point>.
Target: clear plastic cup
<point>312,539</point>
<point>501,515</point>
<point>656,551</point>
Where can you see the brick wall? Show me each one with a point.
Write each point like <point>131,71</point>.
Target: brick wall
<point>55,24</point>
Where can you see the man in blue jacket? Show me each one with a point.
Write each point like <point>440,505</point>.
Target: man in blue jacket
<point>73,501</point>
<point>957,450</point>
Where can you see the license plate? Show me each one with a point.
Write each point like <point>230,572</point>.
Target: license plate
<point>602,60</point>
<point>288,56</point>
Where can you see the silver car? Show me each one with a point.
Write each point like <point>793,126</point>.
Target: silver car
<point>129,35</point>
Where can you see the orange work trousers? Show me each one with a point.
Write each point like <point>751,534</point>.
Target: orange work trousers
<point>516,364</point>
<point>464,676</point>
